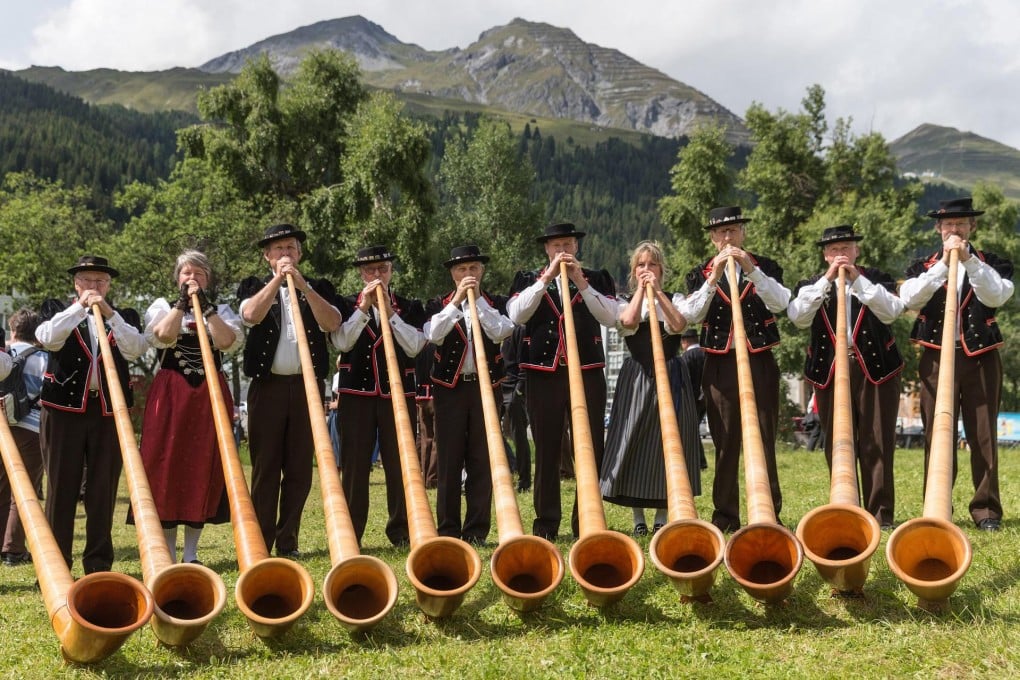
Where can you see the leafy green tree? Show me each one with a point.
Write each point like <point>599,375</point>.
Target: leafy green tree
<point>51,226</point>
<point>701,179</point>
<point>484,184</point>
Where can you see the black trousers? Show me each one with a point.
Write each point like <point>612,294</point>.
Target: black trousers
<point>874,409</point>
<point>460,432</point>
<point>78,445</point>
<point>280,439</point>
<point>11,529</point>
<point>549,413</point>
<point>976,402</point>
<point>722,400</point>
<point>363,421</point>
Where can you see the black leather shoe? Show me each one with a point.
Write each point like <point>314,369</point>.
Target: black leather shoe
<point>656,527</point>
<point>888,526</point>
<point>640,530</point>
<point>294,554</point>
<point>989,524</point>
<point>474,541</point>
<point>13,559</point>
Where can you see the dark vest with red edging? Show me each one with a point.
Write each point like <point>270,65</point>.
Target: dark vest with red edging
<point>363,368</point>
<point>448,358</point>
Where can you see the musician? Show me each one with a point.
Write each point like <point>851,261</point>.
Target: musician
<point>984,283</point>
<point>77,432</point>
<point>875,361</point>
<point>460,420</point>
<point>279,429</point>
<point>179,446</point>
<point>367,413</point>
<point>762,296</point>
<point>536,303</point>
<point>633,469</point>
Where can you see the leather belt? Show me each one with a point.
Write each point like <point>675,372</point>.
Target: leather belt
<point>469,377</point>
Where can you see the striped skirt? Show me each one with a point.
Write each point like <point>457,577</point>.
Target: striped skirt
<point>633,471</point>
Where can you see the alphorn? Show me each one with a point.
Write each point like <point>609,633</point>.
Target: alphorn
<point>442,569</point>
<point>93,616</point>
<point>359,589</point>
<point>840,538</point>
<point>930,554</point>
<point>271,592</point>
<point>526,569</point>
<point>605,564</point>
<point>187,597</point>
<point>687,550</point>
<point>763,557</point>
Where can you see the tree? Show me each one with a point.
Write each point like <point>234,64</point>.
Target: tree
<point>51,226</point>
<point>701,179</point>
<point>484,184</point>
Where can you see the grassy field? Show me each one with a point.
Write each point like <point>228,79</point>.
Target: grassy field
<point>649,634</point>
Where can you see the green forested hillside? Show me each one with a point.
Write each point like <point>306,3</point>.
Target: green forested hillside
<point>60,137</point>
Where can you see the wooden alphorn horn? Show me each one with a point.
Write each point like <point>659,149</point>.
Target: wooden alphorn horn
<point>93,616</point>
<point>526,569</point>
<point>442,569</point>
<point>359,590</point>
<point>763,557</point>
<point>687,550</point>
<point>930,554</point>
<point>839,538</point>
<point>187,597</point>
<point>271,592</point>
<point>605,564</point>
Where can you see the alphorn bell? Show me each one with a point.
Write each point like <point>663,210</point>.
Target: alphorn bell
<point>187,597</point>
<point>526,569</point>
<point>763,557</point>
<point>687,550</point>
<point>93,616</point>
<point>442,569</point>
<point>271,592</point>
<point>605,564</point>
<point>839,538</point>
<point>359,590</point>
<point>930,554</point>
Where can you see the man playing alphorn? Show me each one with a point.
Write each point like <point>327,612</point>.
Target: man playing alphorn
<point>875,361</point>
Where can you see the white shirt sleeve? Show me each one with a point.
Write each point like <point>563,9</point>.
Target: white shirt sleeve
<point>522,306</point>
<point>884,304</point>
<point>802,309</point>
<point>775,295</point>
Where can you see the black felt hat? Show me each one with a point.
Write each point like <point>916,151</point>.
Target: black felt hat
<point>93,263</point>
<point>956,207</point>
<point>462,254</point>
<point>721,217</point>
<point>689,332</point>
<point>560,230</point>
<point>837,234</point>
<point>372,254</point>
<point>278,231</point>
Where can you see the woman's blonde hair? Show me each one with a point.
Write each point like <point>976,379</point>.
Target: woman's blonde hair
<point>655,250</point>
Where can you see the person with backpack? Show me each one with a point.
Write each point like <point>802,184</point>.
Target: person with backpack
<point>24,383</point>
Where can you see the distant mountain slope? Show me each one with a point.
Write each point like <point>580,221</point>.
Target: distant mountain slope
<point>148,91</point>
<point>945,154</point>
<point>540,69</point>
<point>372,46</point>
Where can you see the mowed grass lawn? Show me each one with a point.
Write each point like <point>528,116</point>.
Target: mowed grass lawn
<point>649,634</point>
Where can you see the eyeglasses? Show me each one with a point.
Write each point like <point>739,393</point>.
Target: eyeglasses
<point>92,282</point>
<point>375,269</point>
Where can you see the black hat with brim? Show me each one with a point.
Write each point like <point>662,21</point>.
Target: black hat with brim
<point>278,231</point>
<point>956,207</point>
<point>93,263</point>
<point>372,254</point>
<point>838,234</point>
<point>462,254</point>
<point>725,216</point>
<point>560,230</point>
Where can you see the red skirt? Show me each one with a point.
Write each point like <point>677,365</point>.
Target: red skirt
<point>180,452</point>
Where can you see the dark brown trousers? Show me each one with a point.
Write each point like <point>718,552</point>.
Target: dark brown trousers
<point>78,445</point>
<point>11,529</point>
<point>549,414</point>
<point>874,409</point>
<point>976,402</point>
<point>280,440</point>
<point>363,421</point>
<point>460,430</point>
<point>722,402</point>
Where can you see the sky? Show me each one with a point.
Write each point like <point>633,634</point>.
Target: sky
<point>889,65</point>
